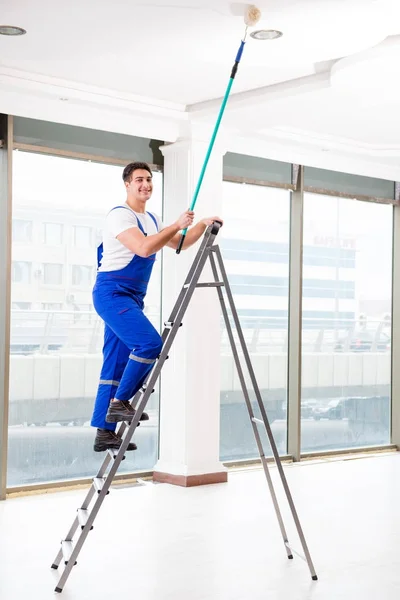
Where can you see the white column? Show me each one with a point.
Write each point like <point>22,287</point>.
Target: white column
<point>190,379</point>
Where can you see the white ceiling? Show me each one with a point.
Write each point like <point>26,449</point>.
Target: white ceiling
<point>170,61</point>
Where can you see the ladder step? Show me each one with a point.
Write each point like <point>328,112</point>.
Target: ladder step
<point>206,284</point>
<point>170,324</point>
<point>143,389</point>
<point>114,453</point>
<point>67,548</point>
<point>83,515</point>
<point>258,421</point>
<point>98,483</point>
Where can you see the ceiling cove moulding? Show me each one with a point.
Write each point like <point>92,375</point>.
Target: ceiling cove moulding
<point>260,96</point>
<point>13,79</point>
<point>373,71</point>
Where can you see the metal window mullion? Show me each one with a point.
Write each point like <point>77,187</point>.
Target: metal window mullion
<point>6,127</point>
<point>395,371</point>
<point>295,318</point>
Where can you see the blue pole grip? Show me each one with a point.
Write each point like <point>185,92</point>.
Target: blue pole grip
<point>240,52</point>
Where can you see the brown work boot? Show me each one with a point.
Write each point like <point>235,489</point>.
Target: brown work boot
<point>121,410</point>
<point>109,440</point>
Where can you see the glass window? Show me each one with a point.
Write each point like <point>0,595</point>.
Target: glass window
<point>52,274</point>
<point>255,249</point>
<point>347,287</point>
<point>83,236</point>
<point>56,350</point>
<point>21,272</point>
<point>53,234</point>
<point>21,231</point>
<point>83,275</point>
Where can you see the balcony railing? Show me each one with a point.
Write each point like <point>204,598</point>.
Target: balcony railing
<point>44,332</point>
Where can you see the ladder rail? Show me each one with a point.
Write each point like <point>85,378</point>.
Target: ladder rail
<point>107,483</point>
<point>168,336</point>
<point>263,413</point>
<point>108,480</point>
<point>249,406</point>
<point>85,505</point>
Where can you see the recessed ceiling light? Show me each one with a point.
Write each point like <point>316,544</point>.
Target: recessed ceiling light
<point>11,30</point>
<point>266,34</point>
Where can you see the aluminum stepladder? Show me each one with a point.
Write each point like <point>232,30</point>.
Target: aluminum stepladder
<point>87,513</point>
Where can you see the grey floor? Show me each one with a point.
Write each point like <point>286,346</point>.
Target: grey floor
<point>222,542</point>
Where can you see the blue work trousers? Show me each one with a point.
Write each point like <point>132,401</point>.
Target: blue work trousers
<point>131,347</point>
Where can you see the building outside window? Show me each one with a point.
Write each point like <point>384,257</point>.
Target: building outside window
<point>82,236</point>
<point>53,234</point>
<point>21,272</point>
<point>21,231</point>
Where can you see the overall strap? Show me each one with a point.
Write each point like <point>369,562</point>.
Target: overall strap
<point>138,221</point>
<point>100,246</point>
<point>140,226</point>
<point>154,220</point>
<point>99,254</point>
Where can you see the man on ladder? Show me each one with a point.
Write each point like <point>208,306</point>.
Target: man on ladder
<point>131,239</point>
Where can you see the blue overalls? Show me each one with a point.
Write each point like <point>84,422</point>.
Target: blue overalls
<point>131,343</point>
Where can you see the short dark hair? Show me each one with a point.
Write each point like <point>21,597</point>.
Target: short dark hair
<point>134,166</point>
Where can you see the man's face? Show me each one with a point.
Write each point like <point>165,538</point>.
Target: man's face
<point>141,185</point>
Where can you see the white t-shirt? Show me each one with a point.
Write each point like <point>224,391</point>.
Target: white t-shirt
<point>115,255</point>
